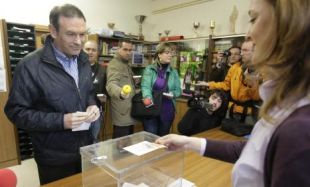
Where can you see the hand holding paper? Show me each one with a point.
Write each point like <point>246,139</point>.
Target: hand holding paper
<point>74,120</point>
<point>93,113</point>
<point>143,148</point>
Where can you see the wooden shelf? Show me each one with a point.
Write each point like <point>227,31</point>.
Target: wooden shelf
<point>9,150</point>
<point>18,40</point>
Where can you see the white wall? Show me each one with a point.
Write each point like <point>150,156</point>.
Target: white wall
<point>99,12</point>
<point>180,21</point>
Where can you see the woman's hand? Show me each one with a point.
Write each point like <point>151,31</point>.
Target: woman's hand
<point>173,142</point>
<point>176,142</point>
<point>147,102</point>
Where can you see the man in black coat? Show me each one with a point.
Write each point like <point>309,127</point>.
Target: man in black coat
<point>52,96</point>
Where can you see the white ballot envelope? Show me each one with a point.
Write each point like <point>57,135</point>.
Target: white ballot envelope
<point>83,127</point>
<point>143,148</point>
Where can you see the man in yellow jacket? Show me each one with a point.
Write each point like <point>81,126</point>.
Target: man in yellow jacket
<point>241,83</point>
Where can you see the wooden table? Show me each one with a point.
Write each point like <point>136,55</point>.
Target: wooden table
<point>202,171</point>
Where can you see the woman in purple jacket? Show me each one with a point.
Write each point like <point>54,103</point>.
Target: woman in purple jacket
<point>278,152</point>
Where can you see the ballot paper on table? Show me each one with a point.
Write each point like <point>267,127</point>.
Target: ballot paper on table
<point>176,183</point>
<point>185,183</point>
<point>133,185</point>
<point>143,148</point>
<point>83,127</point>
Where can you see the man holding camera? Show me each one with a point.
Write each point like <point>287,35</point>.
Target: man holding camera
<point>242,85</point>
<point>223,61</point>
<point>204,113</point>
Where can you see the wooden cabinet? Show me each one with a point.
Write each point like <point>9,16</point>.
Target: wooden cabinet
<point>221,43</point>
<point>41,32</point>
<point>9,152</point>
<point>17,41</point>
<point>191,61</point>
<point>195,55</point>
<point>109,45</point>
<point>181,109</point>
<point>21,41</point>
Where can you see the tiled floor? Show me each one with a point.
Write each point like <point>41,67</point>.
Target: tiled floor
<point>27,174</point>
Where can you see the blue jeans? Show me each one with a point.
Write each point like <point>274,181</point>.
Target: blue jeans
<point>95,128</point>
<point>157,126</point>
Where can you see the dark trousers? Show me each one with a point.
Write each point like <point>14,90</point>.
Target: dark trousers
<point>120,131</point>
<point>49,174</point>
<point>157,126</point>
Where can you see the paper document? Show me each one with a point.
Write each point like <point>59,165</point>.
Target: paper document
<point>185,183</point>
<point>84,126</point>
<point>133,185</point>
<point>143,148</point>
<point>2,80</point>
<point>176,183</point>
<point>137,76</point>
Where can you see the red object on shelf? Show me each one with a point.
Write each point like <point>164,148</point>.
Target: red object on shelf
<point>170,38</point>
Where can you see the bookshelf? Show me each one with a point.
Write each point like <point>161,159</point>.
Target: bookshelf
<point>198,52</point>
<point>109,45</point>
<point>17,41</point>
<point>21,41</point>
<point>221,43</point>
<point>9,150</point>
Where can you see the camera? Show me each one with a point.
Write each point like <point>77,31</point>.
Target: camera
<point>226,53</point>
<point>220,64</point>
<point>251,70</point>
<point>199,102</point>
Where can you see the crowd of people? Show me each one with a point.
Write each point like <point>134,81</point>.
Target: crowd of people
<point>277,153</point>
<point>61,87</point>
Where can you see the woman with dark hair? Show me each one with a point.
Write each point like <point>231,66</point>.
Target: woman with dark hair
<point>204,113</point>
<point>160,76</point>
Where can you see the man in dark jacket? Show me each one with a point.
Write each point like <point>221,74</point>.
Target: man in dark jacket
<point>52,96</point>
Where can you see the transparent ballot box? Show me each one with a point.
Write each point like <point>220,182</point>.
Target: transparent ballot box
<point>131,161</point>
